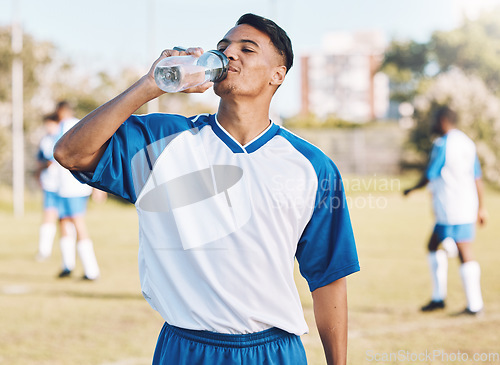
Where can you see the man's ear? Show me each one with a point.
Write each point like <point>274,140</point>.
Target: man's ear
<point>278,75</point>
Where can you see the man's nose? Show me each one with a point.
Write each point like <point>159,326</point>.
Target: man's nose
<point>231,53</point>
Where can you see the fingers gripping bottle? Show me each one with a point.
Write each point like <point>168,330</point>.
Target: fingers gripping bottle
<point>177,73</point>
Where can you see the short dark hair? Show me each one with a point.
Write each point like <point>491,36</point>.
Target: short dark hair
<point>278,36</point>
<point>63,104</point>
<point>51,117</point>
<point>448,113</point>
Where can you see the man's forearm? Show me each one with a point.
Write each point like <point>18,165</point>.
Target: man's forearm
<point>480,192</point>
<point>421,183</point>
<point>330,311</point>
<point>82,146</point>
<point>482,215</point>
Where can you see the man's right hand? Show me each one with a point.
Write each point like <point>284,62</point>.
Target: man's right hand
<point>194,51</point>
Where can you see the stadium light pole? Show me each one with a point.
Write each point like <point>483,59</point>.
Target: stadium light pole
<point>153,106</point>
<point>17,114</point>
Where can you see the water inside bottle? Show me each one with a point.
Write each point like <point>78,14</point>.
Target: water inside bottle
<point>179,77</point>
<point>214,73</point>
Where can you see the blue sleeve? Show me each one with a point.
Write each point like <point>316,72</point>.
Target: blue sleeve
<point>46,149</point>
<point>437,159</point>
<point>477,169</point>
<point>41,157</point>
<point>326,251</point>
<point>128,159</point>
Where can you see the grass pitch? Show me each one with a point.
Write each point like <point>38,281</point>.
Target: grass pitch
<point>44,320</point>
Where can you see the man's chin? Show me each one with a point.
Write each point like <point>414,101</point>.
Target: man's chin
<point>222,89</point>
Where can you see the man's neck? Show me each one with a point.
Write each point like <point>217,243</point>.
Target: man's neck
<point>447,129</point>
<point>66,116</point>
<point>243,122</point>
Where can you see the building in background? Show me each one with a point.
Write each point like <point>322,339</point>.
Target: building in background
<point>342,78</point>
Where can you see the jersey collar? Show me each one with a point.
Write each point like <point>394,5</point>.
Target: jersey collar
<point>234,145</point>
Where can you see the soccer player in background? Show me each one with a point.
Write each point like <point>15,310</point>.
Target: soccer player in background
<point>48,176</point>
<point>73,199</point>
<point>454,176</point>
<point>226,202</point>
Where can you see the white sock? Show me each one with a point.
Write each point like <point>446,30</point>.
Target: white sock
<point>68,252</point>
<point>470,272</point>
<point>46,240</point>
<point>438,264</point>
<point>87,256</point>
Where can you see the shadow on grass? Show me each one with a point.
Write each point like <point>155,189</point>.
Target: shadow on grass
<point>95,295</point>
<point>375,309</point>
<point>23,290</point>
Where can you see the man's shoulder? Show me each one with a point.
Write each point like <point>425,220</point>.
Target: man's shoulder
<point>456,140</point>
<point>173,118</point>
<point>460,136</point>
<point>314,154</point>
<point>163,124</point>
<point>440,141</point>
<point>68,123</point>
<point>47,139</point>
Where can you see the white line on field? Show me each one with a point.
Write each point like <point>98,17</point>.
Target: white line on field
<point>435,323</point>
<point>131,361</point>
<point>15,289</point>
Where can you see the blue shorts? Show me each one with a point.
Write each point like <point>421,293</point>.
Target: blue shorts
<point>459,232</point>
<point>50,200</point>
<point>70,207</point>
<point>177,346</point>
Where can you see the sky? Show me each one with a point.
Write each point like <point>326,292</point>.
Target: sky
<point>112,34</point>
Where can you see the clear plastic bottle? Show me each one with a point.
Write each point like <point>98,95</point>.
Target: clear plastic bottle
<point>177,73</point>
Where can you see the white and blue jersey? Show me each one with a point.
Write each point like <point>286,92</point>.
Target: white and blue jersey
<point>452,172</point>
<point>221,224</point>
<point>49,177</point>
<point>69,187</point>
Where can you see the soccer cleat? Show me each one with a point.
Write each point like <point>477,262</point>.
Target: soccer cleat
<point>433,305</point>
<point>86,278</point>
<point>468,312</point>
<point>64,274</point>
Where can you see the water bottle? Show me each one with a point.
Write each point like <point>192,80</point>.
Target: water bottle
<point>177,73</point>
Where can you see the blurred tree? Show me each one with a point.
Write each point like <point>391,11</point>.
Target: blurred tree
<point>474,47</point>
<point>405,63</point>
<point>460,68</point>
<point>36,57</point>
<point>478,111</point>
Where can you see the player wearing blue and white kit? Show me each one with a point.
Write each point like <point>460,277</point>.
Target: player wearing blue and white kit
<point>48,174</point>
<point>73,198</point>
<point>454,177</point>
<point>226,202</point>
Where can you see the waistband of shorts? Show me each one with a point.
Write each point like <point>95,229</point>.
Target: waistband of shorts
<point>230,340</point>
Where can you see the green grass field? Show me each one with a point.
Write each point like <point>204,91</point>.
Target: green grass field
<point>44,320</point>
